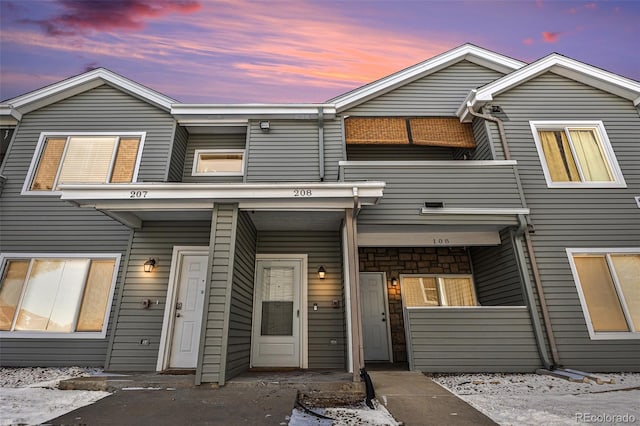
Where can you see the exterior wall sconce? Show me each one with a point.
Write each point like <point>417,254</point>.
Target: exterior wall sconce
<point>394,282</point>
<point>265,126</point>
<point>321,272</point>
<point>149,265</point>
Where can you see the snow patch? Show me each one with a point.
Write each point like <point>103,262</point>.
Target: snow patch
<point>532,399</point>
<point>30,395</point>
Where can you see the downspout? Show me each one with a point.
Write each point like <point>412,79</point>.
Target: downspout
<point>321,141</point>
<point>526,234</point>
<point>528,291</point>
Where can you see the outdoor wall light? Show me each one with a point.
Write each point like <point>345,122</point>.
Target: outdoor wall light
<point>265,126</point>
<point>149,265</point>
<point>321,272</point>
<point>394,281</point>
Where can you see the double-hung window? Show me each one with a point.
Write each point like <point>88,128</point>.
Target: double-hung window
<point>576,154</point>
<point>608,283</point>
<point>437,290</point>
<point>56,295</point>
<point>84,158</point>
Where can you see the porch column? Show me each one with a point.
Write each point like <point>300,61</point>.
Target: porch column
<point>353,268</point>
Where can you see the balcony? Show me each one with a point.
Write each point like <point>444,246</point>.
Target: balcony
<point>458,192</point>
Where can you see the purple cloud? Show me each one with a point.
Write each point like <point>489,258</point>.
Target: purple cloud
<point>81,16</point>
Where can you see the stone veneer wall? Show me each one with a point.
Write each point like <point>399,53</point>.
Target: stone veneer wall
<point>410,260</point>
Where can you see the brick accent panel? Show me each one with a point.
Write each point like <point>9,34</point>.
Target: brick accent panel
<point>410,260</point>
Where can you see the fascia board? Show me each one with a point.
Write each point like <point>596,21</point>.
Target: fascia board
<point>562,65</point>
<point>468,52</point>
<point>212,112</point>
<point>83,82</point>
<point>9,114</point>
<point>162,192</point>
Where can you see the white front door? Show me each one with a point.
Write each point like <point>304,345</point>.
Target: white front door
<point>277,321</point>
<point>188,311</point>
<point>374,317</point>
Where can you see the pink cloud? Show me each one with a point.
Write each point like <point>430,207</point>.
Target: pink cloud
<point>81,16</point>
<point>550,37</point>
<point>527,41</point>
<point>591,6</point>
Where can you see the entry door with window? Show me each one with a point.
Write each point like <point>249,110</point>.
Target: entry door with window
<point>276,318</point>
<point>375,331</point>
<point>188,311</point>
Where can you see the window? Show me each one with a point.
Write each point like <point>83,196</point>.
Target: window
<point>54,296</point>
<point>608,283</point>
<point>98,158</point>
<point>435,290</point>
<point>576,154</point>
<point>215,162</point>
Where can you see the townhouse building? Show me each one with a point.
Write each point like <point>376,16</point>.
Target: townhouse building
<point>471,213</point>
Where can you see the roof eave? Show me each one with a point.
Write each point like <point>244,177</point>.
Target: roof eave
<point>465,52</point>
<point>83,82</point>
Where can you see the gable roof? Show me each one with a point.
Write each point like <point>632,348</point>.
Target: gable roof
<point>39,98</point>
<point>467,52</point>
<point>561,65</point>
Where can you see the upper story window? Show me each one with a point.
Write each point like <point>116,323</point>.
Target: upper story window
<point>84,158</point>
<point>608,283</point>
<point>218,162</point>
<point>576,154</point>
<point>56,295</point>
<point>438,290</point>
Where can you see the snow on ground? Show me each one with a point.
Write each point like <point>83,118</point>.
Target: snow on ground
<point>532,399</point>
<point>344,416</point>
<point>30,395</point>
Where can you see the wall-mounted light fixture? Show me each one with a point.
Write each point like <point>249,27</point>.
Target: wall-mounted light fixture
<point>322,272</point>
<point>265,126</point>
<point>150,265</point>
<point>394,281</point>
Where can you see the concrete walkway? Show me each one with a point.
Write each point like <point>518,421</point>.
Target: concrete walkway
<point>414,399</point>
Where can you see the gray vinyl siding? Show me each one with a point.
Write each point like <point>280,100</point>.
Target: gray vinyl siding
<point>483,149</point>
<point>409,186</point>
<point>327,323</point>
<point>178,154</point>
<point>398,153</point>
<point>496,275</point>
<point>222,251</point>
<point>287,153</point>
<point>44,224</point>
<point>241,313</point>
<point>213,141</point>
<point>582,217</point>
<point>466,340</point>
<point>333,152</point>
<point>438,94</point>
<point>154,239</point>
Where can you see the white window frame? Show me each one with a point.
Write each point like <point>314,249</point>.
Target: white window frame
<point>62,335</point>
<point>607,335</point>
<point>35,161</point>
<point>610,157</point>
<point>439,283</point>
<point>196,158</point>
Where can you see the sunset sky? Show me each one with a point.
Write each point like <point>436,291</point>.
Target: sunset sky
<point>210,51</point>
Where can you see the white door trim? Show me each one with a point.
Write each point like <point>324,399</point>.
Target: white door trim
<point>304,336</point>
<point>385,294</point>
<point>169,309</point>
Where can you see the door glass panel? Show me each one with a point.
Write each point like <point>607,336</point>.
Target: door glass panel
<point>277,301</point>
